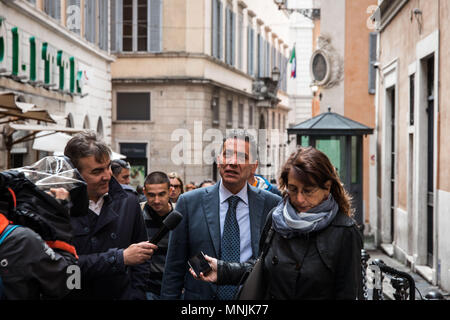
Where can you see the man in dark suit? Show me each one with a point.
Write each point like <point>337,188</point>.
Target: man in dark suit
<point>223,221</point>
<point>110,239</point>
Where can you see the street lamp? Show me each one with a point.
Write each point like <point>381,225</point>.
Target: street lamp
<point>310,13</point>
<point>276,74</point>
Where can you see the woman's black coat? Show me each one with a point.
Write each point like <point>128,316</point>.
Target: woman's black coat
<point>320,265</point>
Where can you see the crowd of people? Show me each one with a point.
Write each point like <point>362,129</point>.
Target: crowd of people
<point>314,251</point>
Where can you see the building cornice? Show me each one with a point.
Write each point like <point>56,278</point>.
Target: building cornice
<point>388,9</point>
<point>183,79</point>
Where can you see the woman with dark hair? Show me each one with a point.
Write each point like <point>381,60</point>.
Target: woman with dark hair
<point>315,249</point>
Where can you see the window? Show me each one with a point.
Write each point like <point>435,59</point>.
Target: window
<point>127,25</point>
<point>260,56</point>
<point>274,59</point>
<point>250,51</point>
<point>240,41</point>
<point>215,110</point>
<point>89,20</point>
<point>103,24</point>
<point>250,115</point>
<point>230,37</point>
<point>241,115</point>
<point>229,113</point>
<point>216,29</point>
<point>136,25</point>
<point>73,16</point>
<point>100,127</point>
<point>86,123</point>
<point>96,14</point>
<point>372,60</point>
<point>273,119</point>
<point>133,106</point>
<point>142,25</point>
<point>411,99</point>
<point>53,8</point>
<point>267,72</point>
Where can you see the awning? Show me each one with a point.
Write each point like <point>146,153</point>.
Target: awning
<point>8,101</point>
<point>21,110</point>
<point>37,127</point>
<point>55,142</point>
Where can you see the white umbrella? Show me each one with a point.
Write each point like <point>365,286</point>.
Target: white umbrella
<point>55,142</point>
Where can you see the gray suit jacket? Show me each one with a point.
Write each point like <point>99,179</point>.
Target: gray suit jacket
<point>200,231</point>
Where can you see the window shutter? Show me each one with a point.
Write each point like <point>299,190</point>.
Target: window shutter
<point>155,25</point>
<point>249,50</point>
<point>267,59</point>
<point>240,34</point>
<point>215,29</point>
<point>372,60</point>
<point>227,35</point>
<point>274,57</point>
<point>260,56</point>
<point>89,20</point>
<point>73,15</point>
<point>233,37</point>
<point>220,30</point>
<point>103,24</point>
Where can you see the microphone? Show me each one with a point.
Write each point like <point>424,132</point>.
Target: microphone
<point>169,223</point>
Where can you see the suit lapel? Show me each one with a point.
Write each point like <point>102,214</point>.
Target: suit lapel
<point>211,209</point>
<point>256,209</point>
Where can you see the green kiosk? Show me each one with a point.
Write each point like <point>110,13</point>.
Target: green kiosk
<point>340,138</point>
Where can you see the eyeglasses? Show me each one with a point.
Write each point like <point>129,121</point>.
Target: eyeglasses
<point>175,186</point>
<point>308,193</point>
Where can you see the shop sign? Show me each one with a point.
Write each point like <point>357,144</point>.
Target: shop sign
<point>29,59</point>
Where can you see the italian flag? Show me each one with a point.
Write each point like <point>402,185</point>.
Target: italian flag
<point>293,62</point>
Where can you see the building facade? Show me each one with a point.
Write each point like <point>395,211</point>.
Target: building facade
<point>54,54</point>
<point>342,78</point>
<point>413,189</point>
<point>186,71</point>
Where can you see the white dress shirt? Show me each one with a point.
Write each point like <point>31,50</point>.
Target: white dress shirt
<point>97,206</point>
<point>242,216</point>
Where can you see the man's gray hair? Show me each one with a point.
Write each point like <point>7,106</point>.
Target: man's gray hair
<point>85,144</point>
<point>244,135</point>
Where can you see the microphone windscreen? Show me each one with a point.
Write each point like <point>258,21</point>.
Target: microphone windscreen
<point>172,220</point>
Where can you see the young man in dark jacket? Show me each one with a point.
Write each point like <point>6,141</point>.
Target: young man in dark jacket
<point>155,210</point>
<point>110,239</point>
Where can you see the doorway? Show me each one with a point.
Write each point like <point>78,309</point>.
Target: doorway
<point>430,158</point>
<point>391,151</point>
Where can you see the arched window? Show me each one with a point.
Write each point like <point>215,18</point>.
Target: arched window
<point>100,127</point>
<point>69,121</point>
<point>86,123</point>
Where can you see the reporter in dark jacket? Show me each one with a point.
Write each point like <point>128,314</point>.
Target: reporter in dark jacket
<point>315,252</point>
<point>110,238</point>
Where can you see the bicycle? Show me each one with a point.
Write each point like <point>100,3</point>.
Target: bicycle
<point>402,282</point>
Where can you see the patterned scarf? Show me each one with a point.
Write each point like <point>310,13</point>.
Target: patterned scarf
<point>289,224</point>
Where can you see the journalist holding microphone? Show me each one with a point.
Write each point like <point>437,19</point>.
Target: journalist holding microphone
<point>312,245</point>
<point>110,239</point>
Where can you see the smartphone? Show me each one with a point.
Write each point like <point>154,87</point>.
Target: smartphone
<point>199,264</point>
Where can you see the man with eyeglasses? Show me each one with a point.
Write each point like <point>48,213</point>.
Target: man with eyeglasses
<point>224,221</point>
